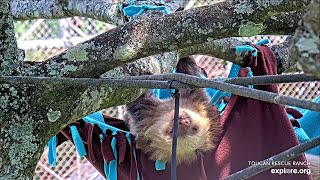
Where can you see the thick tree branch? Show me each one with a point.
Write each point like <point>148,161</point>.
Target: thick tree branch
<point>9,62</point>
<point>53,9</point>
<point>148,36</point>
<point>225,49</point>
<point>305,47</point>
<point>101,10</point>
<point>20,143</point>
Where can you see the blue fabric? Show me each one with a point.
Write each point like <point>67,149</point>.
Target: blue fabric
<point>111,168</point>
<point>161,93</point>
<point>310,123</point>
<point>113,163</point>
<point>52,152</point>
<point>216,97</point>
<point>250,74</point>
<point>263,41</point>
<point>234,71</point>
<point>96,116</point>
<point>301,134</point>
<point>134,153</point>
<point>78,143</point>
<point>106,169</point>
<point>242,48</point>
<point>164,94</point>
<point>209,91</point>
<point>98,119</point>
<point>220,94</point>
<point>222,105</point>
<point>105,164</point>
<point>102,126</point>
<point>136,10</point>
<point>160,165</point>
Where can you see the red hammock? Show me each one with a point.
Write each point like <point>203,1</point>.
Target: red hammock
<point>253,131</point>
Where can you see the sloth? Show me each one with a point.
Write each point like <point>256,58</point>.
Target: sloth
<point>151,119</point>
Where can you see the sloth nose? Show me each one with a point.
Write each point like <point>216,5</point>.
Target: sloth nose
<point>184,120</point>
<point>184,123</point>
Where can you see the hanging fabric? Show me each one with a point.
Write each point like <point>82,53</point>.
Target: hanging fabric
<point>255,130</point>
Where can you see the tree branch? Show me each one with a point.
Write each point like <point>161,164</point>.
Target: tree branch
<point>243,81</point>
<point>20,143</point>
<point>101,10</point>
<point>54,9</point>
<point>192,81</point>
<point>9,62</point>
<point>148,36</point>
<point>305,47</point>
<point>225,49</point>
<point>236,89</point>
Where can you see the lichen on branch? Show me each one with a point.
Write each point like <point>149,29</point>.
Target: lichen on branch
<point>48,9</point>
<point>305,46</point>
<point>149,36</point>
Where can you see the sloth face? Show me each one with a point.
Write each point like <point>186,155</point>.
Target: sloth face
<point>152,120</point>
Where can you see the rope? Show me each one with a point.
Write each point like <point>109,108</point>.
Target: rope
<point>176,95</point>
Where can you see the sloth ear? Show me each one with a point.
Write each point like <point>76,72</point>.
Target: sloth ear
<point>187,65</point>
<point>197,95</point>
<point>143,106</point>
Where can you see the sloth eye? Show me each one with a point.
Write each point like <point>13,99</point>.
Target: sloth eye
<point>194,128</point>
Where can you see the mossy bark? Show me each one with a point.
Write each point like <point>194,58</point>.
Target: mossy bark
<point>20,142</point>
<point>305,47</point>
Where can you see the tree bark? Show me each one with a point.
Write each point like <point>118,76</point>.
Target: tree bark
<point>54,9</point>
<point>21,143</point>
<point>149,36</point>
<point>101,10</point>
<point>305,47</point>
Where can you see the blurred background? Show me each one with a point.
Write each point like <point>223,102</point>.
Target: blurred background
<point>42,39</point>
